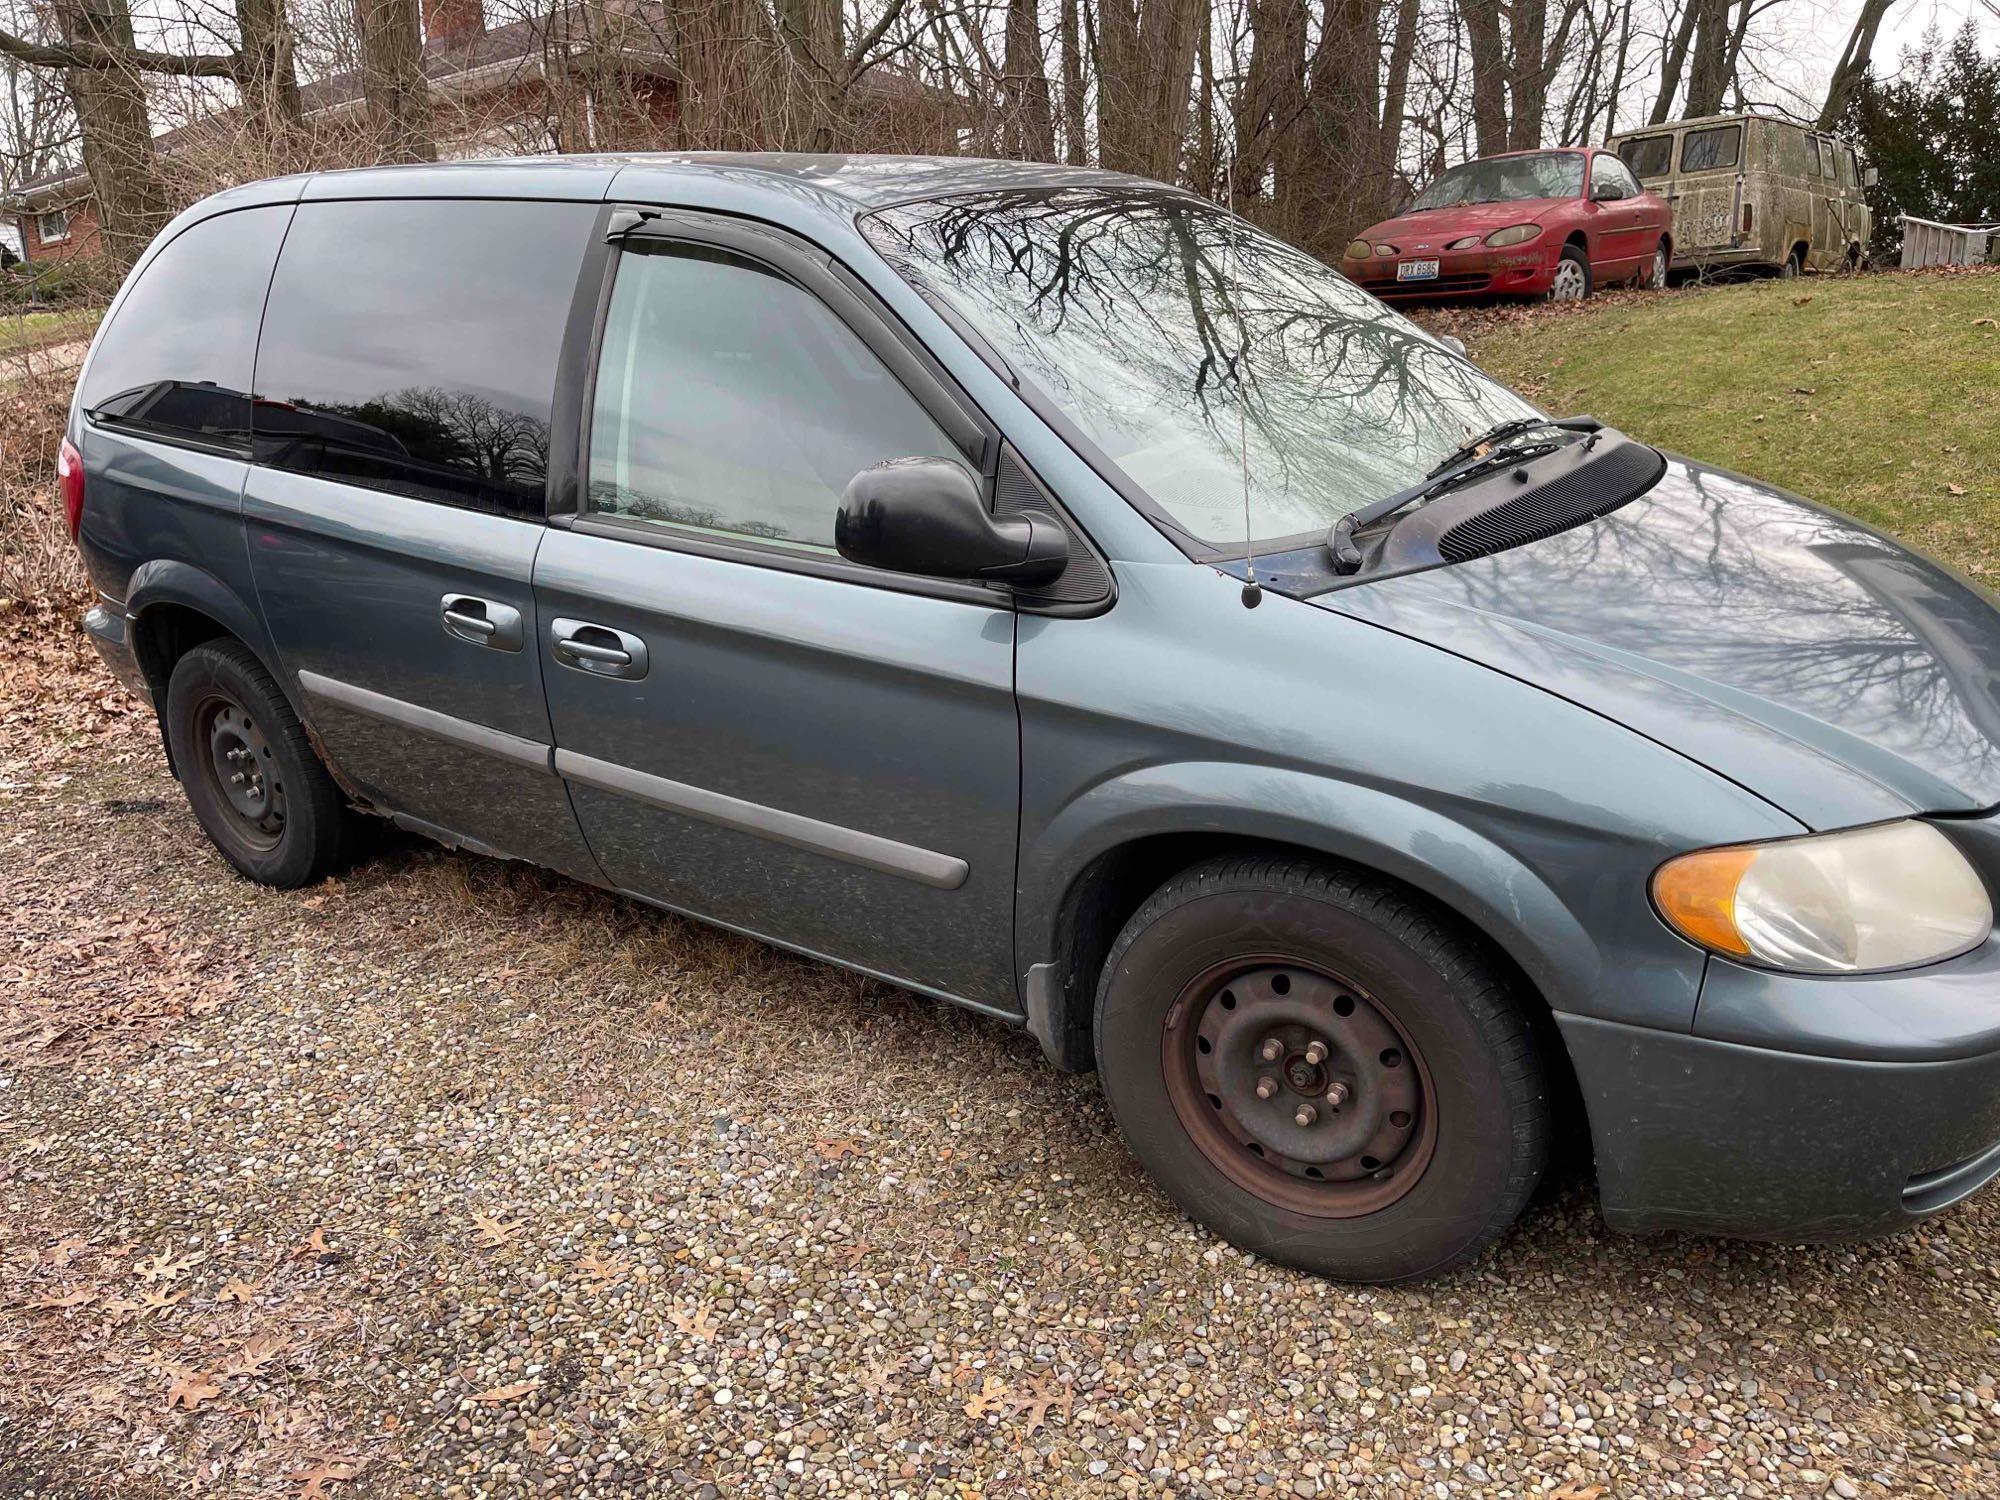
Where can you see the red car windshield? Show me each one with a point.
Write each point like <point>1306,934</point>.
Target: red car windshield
<point>1506,179</point>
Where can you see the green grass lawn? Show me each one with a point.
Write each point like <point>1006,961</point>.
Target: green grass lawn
<point>1876,394</point>
<point>22,331</point>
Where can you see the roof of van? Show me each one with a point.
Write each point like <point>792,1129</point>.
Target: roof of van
<point>861,181</point>
<point>1730,119</point>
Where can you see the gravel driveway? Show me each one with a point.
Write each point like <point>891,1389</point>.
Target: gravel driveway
<point>454,1178</point>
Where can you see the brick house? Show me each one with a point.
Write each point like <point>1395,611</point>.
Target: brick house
<point>505,90</point>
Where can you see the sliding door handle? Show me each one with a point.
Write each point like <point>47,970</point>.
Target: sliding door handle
<point>483,622</point>
<point>598,649</point>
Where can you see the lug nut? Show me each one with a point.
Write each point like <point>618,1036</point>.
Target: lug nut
<point>238,779</point>
<point>1306,1115</point>
<point>1336,1095</point>
<point>1316,1053</point>
<point>1266,1087</point>
<point>1272,1050</point>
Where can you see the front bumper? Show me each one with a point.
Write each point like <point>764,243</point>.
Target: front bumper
<point>1518,271</point>
<point>111,633</point>
<point>1720,1137</point>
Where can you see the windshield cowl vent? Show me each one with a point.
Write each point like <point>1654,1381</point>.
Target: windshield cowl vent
<point>1588,481</point>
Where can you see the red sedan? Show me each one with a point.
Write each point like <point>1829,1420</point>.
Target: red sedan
<point>1553,224</point>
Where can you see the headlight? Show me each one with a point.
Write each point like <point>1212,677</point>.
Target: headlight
<point>1886,897</point>
<point>1513,234</point>
<point>1465,244</point>
<point>1356,250</point>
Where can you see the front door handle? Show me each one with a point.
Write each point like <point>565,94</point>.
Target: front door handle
<point>483,622</point>
<point>598,649</point>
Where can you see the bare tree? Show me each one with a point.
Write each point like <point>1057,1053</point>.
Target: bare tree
<point>392,79</point>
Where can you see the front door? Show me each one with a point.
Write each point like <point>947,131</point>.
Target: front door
<point>753,730</point>
<point>395,506</point>
<point>1625,239</point>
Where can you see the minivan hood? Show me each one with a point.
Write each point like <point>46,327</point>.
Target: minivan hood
<point>1830,670</point>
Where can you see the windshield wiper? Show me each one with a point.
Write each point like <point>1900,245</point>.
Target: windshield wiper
<point>1505,430</point>
<point>1469,462</point>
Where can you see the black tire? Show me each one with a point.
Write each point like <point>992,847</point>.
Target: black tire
<point>220,695</point>
<point>1488,1104</point>
<point>1573,255</point>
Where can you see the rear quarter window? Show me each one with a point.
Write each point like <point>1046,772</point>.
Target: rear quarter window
<point>175,360</point>
<point>1648,155</point>
<point>411,347</point>
<point>1712,149</point>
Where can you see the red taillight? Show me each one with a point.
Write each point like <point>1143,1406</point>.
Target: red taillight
<point>1746,218</point>
<point>69,480</point>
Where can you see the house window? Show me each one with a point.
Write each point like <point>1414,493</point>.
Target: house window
<point>52,226</point>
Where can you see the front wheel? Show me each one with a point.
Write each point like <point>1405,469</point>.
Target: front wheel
<point>1321,1070</point>
<point>1571,281</point>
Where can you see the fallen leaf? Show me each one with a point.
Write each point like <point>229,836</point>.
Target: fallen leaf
<point>991,1396</point>
<point>513,1392</point>
<point>315,1245</point>
<point>164,1267</point>
<point>238,1290</point>
<point>1986,323</point>
<point>327,1471</point>
<point>837,1148</point>
<point>1954,489</point>
<point>1044,1394</point>
<point>541,1439</point>
<point>1581,1492</point>
<point>699,1323</point>
<point>255,1353</point>
<point>190,1389</point>
<point>66,1299</point>
<point>601,1271</point>
<point>493,1233</point>
<point>154,1298</point>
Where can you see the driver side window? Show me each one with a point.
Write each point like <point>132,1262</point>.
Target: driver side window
<point>731,401</point>
<point>1609,178</point>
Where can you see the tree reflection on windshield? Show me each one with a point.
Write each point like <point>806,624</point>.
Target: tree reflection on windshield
<point>1160,325</point>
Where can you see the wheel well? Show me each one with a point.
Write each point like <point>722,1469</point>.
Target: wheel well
<point>163,634</point>
<point>1103,897</point>
<point>1800,250</point>
<point>1576,238</point>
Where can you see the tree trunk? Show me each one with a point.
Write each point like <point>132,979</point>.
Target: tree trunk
<point>1489,73</point>
<point>1395,99</point>
<point>1030,124</point>
<point>1342,137</point>
<point>1145,69</point>
<point>1674,63</point>
<point>392,80</point>
<point>1853,65</point>
<point>1074,130</point>
<point>1708,73</point>
<point>266,77</point>
<point>116,131</point>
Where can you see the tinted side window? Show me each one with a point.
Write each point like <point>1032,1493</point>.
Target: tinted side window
<point>1812,154</point>
<point>1649,155</point>
<point>175,360</point>
<point>1849,177</point>
<point>730,399</point>
<point>411,346</point>
<point>1718,146</point>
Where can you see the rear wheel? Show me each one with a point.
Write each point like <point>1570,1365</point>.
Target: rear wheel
<point>256,787</point>
<point>1656,273</point>
<point>1320,1070</point>
<point>1571,282</point>
<point>1791,269</point>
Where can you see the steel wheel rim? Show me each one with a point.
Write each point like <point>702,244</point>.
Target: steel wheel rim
<point>1372,1130</point>
<point>1568,283</point>
<point>241,771</point>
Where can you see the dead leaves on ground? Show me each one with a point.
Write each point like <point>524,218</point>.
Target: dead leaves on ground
<point>1044,1394</point>
<point>493,1232</point>
<point>501,1394</point>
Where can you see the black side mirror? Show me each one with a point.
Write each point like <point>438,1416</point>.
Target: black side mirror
<point>1606,192</point>
<point>924,515</point>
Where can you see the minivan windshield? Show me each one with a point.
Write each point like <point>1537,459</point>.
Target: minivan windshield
<point>1190,347</point>
<point>1506,179</point>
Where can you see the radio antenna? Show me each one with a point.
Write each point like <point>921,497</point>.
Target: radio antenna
<point>1253,591</point>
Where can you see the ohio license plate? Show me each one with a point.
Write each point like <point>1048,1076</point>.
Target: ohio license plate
<point>1417,270</point>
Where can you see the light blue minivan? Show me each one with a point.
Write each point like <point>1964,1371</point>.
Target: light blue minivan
<point>1042,590</point>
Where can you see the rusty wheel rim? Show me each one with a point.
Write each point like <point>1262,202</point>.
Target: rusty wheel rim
<point>1300,1087</point>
